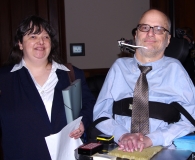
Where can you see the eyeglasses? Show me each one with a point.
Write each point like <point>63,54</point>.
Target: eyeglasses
<point>156,29</point>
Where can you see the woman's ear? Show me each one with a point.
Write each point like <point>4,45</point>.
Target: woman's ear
<point>20,45</point>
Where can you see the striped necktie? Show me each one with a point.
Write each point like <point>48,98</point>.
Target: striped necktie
<point>140,110</point>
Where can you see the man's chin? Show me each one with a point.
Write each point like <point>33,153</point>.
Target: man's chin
<point>148,50</point>
<point>148,53</point>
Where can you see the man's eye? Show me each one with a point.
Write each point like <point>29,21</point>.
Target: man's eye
<point>144,27</point>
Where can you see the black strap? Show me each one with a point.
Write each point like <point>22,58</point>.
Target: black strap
<point>71,74</point>
<point>98,121</point>
<point>173,104</point>
<point>93,132</point>
<point>157,110</point>
<point>184,112</point>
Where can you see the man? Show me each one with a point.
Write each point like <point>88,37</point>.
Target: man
<point>168,82</point>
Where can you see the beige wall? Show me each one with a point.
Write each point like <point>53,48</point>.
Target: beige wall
<point>99,24</point>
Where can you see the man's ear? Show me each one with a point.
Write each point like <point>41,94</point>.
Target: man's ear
<point>135,34</point>
<point>20,45</point>
<point>168,39</point>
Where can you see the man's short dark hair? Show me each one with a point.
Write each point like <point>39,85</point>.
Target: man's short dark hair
<point>133,32</point>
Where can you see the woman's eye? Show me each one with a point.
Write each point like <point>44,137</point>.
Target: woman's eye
<point>33,36</point>
<point>47,37</point>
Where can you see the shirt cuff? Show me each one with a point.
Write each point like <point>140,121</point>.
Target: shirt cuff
<point>118,134</point>
<point>156,138</point>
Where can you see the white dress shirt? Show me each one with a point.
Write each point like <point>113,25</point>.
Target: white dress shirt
<point>47,90</point>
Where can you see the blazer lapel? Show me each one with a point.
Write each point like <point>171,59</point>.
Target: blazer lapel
<point>32,94</point>
<point>58,117</point>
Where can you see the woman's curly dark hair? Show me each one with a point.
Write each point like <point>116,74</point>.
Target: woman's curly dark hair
<point>33,24</point>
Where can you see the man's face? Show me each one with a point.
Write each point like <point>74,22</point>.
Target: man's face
<point>156,43</point>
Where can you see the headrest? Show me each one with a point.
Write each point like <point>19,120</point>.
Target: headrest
<point>178,48</point>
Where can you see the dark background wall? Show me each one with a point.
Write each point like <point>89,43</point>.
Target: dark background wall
<point>12,12</point>
<point>181,12</point>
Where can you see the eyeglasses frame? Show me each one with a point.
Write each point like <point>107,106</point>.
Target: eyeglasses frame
<point>152,28</point>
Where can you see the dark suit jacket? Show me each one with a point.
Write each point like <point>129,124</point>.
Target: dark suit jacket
<point>24,120</point>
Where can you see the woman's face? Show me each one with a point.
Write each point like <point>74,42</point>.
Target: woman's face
<point>36,47</point>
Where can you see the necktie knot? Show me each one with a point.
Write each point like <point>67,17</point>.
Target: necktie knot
<point>145,69</point>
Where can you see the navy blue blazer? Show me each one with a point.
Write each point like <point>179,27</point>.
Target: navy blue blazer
<point>23,117</point>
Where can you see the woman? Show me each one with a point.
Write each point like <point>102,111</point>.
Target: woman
<point>31,103</point>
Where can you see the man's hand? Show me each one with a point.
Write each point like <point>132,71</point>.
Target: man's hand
<point>77,133</point>
<point>131,142</point>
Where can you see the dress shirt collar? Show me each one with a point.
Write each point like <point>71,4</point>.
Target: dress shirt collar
<point>55,66</point>
<point>155,65</point>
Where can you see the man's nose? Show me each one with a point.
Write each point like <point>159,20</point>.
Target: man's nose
<point>151,32</point>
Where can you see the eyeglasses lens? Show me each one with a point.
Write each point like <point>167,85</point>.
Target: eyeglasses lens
<point>156,29</point>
